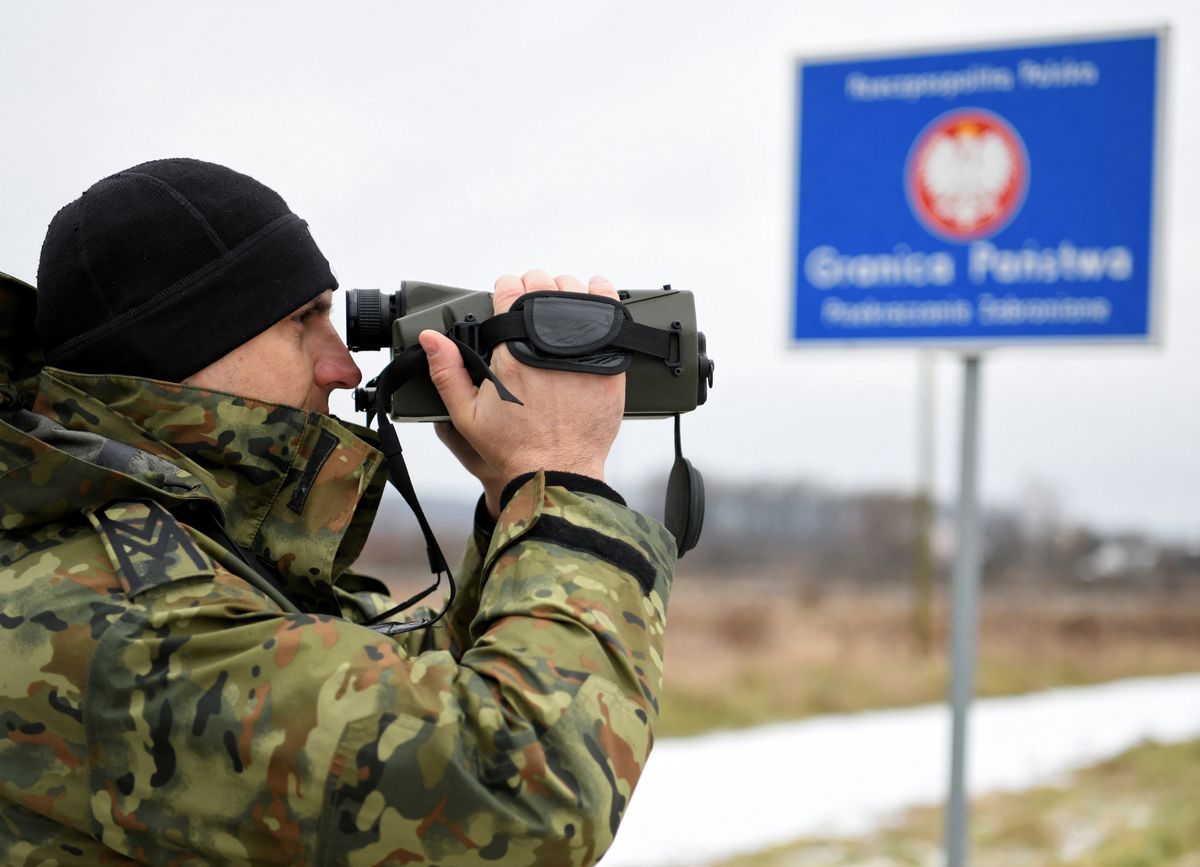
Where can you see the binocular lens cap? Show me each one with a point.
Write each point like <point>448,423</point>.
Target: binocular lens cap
<point>684,511</point>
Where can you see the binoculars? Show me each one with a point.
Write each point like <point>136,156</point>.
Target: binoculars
<point>562,330</point>
<point>650,336</point>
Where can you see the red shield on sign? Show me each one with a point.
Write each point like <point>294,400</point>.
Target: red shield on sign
<point>967,174</point>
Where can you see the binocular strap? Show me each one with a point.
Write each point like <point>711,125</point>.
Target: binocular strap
<point>402,482</point>
<point>411,362</point>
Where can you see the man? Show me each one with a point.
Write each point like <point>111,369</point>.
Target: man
<point>187,676</point>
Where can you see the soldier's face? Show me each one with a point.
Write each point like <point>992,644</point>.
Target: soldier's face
<point>298,362</point>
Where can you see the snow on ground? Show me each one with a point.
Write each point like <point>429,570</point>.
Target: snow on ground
<point>716,795</point>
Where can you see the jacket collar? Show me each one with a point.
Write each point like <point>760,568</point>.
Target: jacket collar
<point>297,489</point>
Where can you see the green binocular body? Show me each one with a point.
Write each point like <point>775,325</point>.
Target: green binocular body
<point>654,387</point>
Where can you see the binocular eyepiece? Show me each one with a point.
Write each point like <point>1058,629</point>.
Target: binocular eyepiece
<point>369,317</point>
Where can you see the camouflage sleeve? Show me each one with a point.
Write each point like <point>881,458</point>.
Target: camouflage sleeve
<point>218,726</point>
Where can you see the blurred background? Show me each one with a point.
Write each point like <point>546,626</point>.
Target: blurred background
<point>653,143</point>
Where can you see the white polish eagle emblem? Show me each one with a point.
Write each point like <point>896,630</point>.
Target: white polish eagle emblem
<point>967,174</point>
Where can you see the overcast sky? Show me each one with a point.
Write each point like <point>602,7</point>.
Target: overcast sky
<point>651,142</point>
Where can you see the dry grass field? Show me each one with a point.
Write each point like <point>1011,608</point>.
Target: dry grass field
<point>752,650</point>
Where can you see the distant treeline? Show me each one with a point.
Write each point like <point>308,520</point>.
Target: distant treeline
<point>821,534</point>
<point>811,534</point>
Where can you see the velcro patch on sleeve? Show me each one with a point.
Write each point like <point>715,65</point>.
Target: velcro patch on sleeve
<point>148,546</point>
<point>551,528</point>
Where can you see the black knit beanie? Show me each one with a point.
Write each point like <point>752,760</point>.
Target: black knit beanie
<point>163,268</point>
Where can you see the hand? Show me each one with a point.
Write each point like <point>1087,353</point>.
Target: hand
<point>493,482</point>
<point>569,420</point>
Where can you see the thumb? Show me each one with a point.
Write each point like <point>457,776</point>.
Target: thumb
<point>448,374</point>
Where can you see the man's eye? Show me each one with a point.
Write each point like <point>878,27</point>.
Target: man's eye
<point>304,315</point>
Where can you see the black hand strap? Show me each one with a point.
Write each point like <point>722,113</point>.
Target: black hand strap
<point>632,337</point>
<point>479,370</point>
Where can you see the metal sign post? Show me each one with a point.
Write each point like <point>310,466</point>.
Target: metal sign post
<point>964,623</point>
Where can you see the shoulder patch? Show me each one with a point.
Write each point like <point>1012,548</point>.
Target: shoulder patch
<point>148,546</point>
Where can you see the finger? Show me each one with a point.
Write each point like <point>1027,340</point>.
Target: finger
<point>600,286</point>
<point>567,283</point>
<point>448,374</point>
<point>538,281</point>
<point>507,290</point>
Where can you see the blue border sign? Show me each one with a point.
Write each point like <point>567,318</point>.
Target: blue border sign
<point>979,197</point>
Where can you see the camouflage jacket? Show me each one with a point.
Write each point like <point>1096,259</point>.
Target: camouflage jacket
<point>160,704</point>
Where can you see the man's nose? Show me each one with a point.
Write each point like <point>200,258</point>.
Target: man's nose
<point>335,368</point>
